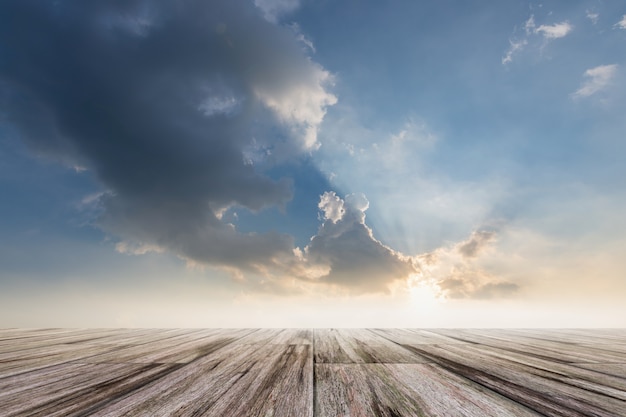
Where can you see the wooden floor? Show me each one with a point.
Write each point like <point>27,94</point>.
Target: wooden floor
<point>305,372</point>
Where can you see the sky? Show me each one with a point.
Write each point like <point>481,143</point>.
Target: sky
<point>312,163</point>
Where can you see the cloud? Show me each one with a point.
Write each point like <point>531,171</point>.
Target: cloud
<point>354,152</point>
<point>531,30</point>
<point>597,79</point>
<point>529,25</point>
<point>555,31</point>
<point>178,109</point>
<point>463,284</point>
<point>302,107</point>
<point>274,9</point>
<point>355,259</point>
<point>593,16</point>
<point>332,206</point>
<point>515,46</point>
<point>412,133</point>
<point>456,272</point>
<point>478,241</point>
<point>136,249</point>
<point>301,37</point>
<point>622,23</point>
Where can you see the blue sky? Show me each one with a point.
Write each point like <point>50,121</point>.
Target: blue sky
<point>312,163</point>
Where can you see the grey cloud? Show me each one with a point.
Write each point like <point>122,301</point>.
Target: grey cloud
<point>496,290</point>
<point>355,258</point>
<point>162,101</point>
<point>476,243</point>
<point>459,272</point>
<point>475,284</point>
<point>453,285</point>
<point>178,108</point>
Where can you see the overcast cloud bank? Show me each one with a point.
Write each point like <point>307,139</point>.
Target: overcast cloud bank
<point>180,110</point>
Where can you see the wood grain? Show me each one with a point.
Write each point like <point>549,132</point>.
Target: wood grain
<point>313,372</point>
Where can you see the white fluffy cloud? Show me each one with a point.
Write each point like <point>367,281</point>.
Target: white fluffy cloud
<point>332,206</point>
<point>302,106</point>
<point>555,31</point>
<point>622,23</point>
<point>596,79</point>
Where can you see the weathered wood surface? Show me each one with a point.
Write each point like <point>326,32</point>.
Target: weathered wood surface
<point>305,372</point>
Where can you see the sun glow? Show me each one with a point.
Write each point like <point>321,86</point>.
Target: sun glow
<point>425,295</point>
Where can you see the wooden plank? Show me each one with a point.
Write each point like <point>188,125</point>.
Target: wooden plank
<point>448,394</point>
<point>277,336</point>
<point>539,347</point>
<point>244,380</point>
<point>359,346</point>
<point>271,372</point>
<point>416,337</point>
<point>579,336</point>
<point>544,391</point>
<point>404,390</point>
<point>52,338</point>
<point>96,349</point>
<point>360,390</point>
<point>564,372</point>
<point>20,364</point>
<point>170,350</point>
<point>79,389</point>
<point>612,369</point>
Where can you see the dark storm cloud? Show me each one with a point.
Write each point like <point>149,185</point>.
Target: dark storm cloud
<point>178,108</point>
<point>174,106</point>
